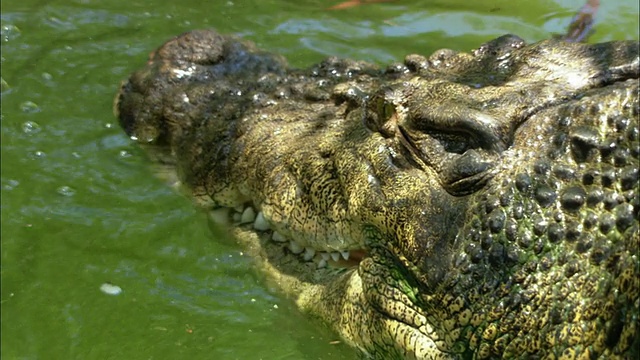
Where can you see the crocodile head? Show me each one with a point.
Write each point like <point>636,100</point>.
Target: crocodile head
<point>461,205</point>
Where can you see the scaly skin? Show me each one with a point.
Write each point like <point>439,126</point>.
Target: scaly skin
<point>489,200</point>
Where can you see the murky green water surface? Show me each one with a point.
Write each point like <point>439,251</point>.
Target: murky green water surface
<point>80,207</point>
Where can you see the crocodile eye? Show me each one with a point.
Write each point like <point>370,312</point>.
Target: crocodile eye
<point>460,144</point>
<point>457,128</point>
<point>454,142</point>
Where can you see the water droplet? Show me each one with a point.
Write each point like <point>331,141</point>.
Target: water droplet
<point>46,76</point>
<point>124,154</point>
<point>29,107</point>
<point>66,191</point>
<point>108,125</point>
<point>76,155</point>
<point>31,127</point>
<point>9,32</point>
<point>37,155</point>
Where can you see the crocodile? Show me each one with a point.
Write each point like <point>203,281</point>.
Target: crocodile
<point>462,205</point>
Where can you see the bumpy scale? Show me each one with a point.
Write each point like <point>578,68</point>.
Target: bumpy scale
<point>459,206</point>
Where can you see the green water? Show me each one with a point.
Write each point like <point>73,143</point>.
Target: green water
<point>80,208</point>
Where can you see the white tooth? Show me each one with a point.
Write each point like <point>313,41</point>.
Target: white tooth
<point>220,215</point>
<point>239,208</point>
<point>248,215</point>
<point>325,256</point>
<point>278,237</point>
<point>237,217</point>
<point>261,223</point>
<point>322,263</point>
<point>295,247</point>
<point>345,254</point>
<point>335,256</point>
<point>309,253</point>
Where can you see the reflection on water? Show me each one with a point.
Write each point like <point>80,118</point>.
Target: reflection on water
<point>80,209</point>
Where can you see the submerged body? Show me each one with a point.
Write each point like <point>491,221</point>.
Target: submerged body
<point>461,206</point>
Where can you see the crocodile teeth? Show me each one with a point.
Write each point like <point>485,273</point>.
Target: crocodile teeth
<point>220,215</point>
<point>322,263</point>
<point>335,256</point>
<point>295,247</point>
<point>248,215</point>
<point>325,256</point>
<point>309,253</point>
<point>278,237</point>
<point>237,217</point>
<point>261,223</point>
<point>345,254</point>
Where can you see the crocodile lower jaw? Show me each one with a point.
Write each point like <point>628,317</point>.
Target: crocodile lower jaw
<point>247,216</point>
